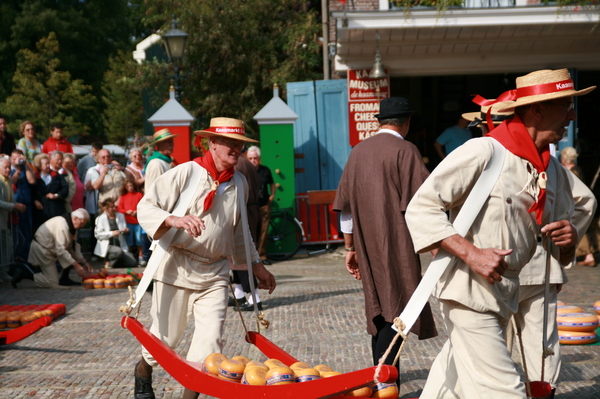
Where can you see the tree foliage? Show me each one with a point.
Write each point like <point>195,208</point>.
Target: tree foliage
<point>238,49</point>
<point>45,94</point>
<point>122,87</point>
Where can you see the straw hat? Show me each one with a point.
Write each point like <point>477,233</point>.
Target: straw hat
<point>545,85</point>
<point>226,127</point>
<point>497,116</point>
<point>161,135</point>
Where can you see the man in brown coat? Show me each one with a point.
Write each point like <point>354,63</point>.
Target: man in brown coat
<point>380,177</point>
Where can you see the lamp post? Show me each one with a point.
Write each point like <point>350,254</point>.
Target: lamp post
<point>175,41</point>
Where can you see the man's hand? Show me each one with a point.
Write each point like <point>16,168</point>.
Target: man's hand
<point>192,225</point>
<point>38,205</point>
<point>19,207</point>
<point>266,281</point>
<point>352,264</point>
<point>488,263</point>
<point>562,233</point>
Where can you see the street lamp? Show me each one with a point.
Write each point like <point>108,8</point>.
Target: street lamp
<point>175,41</point>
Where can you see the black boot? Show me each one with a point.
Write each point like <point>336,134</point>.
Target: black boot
<point>20,272</point>
<point>231,301</point>
<point>64,278</point>
<point>143,386</point>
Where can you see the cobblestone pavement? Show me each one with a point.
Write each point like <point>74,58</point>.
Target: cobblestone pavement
<point>316,314</point>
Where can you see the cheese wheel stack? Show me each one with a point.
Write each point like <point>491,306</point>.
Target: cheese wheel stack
<point>577,328</point>
<point>568,309</point>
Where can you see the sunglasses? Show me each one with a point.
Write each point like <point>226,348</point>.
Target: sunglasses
<point>233,144</point>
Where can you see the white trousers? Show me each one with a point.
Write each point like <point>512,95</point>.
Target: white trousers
<point>530,317</point>
<point>172,308</point>
<point>475,362</point>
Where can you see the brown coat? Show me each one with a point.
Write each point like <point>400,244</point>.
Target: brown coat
<point>381,176</point>
<point>245,167</point>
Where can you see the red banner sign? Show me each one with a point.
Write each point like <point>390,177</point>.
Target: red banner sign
<point>364,95</point>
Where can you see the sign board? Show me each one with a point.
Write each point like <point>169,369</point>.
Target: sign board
<point>364,95</point>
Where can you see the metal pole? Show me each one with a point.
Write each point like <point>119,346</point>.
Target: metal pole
<point>177,83</point>
<point>325,24</point>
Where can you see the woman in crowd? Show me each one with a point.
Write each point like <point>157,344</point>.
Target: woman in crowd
<point>135,170</point>
<point>128,202</point>
<point>109,231</point>
<point>51,190</point>
<point>28,144</point>
<point>75,199</point>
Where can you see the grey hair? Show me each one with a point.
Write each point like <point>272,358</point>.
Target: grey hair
<point>81,214</point>
<point>70,155</point>
<point>399,121</point>
<point>134,150</point>
<point>569,154</point>
<point>254,149</point>
<point>55,153</point>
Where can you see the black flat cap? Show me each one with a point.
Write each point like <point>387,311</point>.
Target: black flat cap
<point>393,107</point>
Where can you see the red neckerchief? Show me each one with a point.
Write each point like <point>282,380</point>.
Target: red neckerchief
<point>208,163</point>
<point>513,135</point>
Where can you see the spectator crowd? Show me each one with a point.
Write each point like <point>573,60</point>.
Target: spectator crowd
<point>42,179</point>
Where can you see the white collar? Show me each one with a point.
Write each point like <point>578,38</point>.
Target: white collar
<point>391,132</point>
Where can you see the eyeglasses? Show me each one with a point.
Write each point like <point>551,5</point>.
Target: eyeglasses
<point>569,106</point>
<point>233,144</point>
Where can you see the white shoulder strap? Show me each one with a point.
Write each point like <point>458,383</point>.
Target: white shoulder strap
<point>465,218</point>
<point>159,251</point>
<point>243,212</point>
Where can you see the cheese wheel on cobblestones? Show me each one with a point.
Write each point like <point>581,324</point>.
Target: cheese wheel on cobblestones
<point>381,390</point>
<point>88,284</point>
<point>280,376</point>
<point>255,375</point>
<point>577,322</point>
<point>568,309</point>
<point>597,307</point>
<point>306,374</point>
<point>99,283</point>
<point>577,337</point>
<point>212,362</point>
<point>231,370</point>
<point>560,303</point>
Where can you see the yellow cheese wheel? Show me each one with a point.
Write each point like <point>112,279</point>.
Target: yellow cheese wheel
<point>98,283</point>
<point>271,363</point>
<point>560,303</point>
<point>327,374</point>
<point>254,363</point>
<point>381,390</point>
<point>280,376</point>
<point>3,321</point>
<point>120,282</point>
<point>13,320</point>
<point>109,283</point>
<point>255,375</point>
<point>568,309</point>
<point>212,362</point>
<point>364,392</point>
<point>306,374</point>
<point>577,322</point>
<point>597,307</point>
<point>242,359</point>
<point>299,365</point>
<point>102,272</point>
<point>577,337</point>
<point>322,368</point>
<point>88,284</point>
<point>231,370</point>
